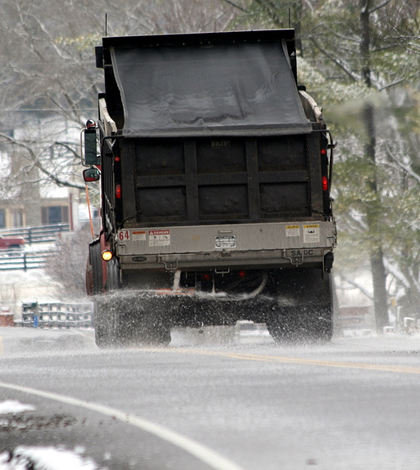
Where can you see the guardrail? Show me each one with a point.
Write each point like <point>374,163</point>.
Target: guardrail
<point>56,315</point>
<point>41,234</point>
<point>17,259</point>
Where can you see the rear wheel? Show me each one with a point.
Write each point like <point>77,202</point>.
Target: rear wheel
<point>103,338</point>
<point>149,320</point>
<point>300,324</point>
<point>304,309</point>
<point>106,323</point>
<point>96,266</point>
<point>150,329</point>
<point>127,319</point>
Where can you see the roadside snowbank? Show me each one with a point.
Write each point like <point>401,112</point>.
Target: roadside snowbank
<point>40,458</point>
<point>44,458</point>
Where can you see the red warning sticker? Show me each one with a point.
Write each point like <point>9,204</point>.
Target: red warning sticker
<point>159,237</point>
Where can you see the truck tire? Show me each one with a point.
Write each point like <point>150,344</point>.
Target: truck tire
<point>104,324</point>
<point>102,338</point>
<point>151,330</point>
<point>113,328</point>
<point>96,264</point>
<point>125,319</point>
<point>113,276</point>
<point>151,324</point>
<point>301,324</point>
<point>107,322</point>
<point>310,317</point>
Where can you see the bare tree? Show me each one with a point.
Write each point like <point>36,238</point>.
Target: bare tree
<point>68,266</point>
<point>48,79</point>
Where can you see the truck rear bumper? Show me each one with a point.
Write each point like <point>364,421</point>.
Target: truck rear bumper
<point>246,259</point>
<point>259,245</point>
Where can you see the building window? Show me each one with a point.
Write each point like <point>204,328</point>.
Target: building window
<point>2,218</point>
<point>55,215</point>
<point>17,218</point>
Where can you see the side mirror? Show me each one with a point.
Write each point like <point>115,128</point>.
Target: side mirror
<point>90,150</point>
<point>91,174</point>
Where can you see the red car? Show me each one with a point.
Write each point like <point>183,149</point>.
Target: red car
<point>11,243</point>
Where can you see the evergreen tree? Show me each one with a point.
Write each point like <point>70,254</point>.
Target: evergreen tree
<point>360,58</point>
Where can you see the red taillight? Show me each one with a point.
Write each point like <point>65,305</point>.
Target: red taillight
<point>117,159</point>
<point>206,277</point>
<point>324,183</point>
<point>118,193</point>
<point>242,274</point>
<point>323,151</point>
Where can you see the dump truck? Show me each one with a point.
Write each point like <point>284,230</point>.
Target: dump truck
<point>215,171</point>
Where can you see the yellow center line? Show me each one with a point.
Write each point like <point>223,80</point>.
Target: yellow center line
<point>296,360</point>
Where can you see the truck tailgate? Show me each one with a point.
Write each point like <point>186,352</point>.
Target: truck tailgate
<point>224,245</point>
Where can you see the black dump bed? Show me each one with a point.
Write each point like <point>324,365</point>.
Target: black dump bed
<point>211,129</point>
<point>204,84</point>
<point>219,180</point>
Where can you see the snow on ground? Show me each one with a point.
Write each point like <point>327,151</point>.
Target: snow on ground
<point>40,247</point>
<point>40,458</point>
<point>14,406</point>
<point>45,458</point>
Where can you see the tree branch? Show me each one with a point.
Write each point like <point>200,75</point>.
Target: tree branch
<point>379,6</point>
<point>406,168</point>
<point>235,6</point>
<point>362,289</point>
<point>353,76</point>
<point>270,8</point>
<point>35,160</point>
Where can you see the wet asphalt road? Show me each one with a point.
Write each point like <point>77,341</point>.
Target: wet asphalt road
<point>226,402</point>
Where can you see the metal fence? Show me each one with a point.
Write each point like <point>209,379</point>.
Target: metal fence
<point>42,234</point>
<point>17,259</point>
<point>56,315</point>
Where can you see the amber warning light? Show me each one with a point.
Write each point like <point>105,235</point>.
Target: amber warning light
<point>107,255</point>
